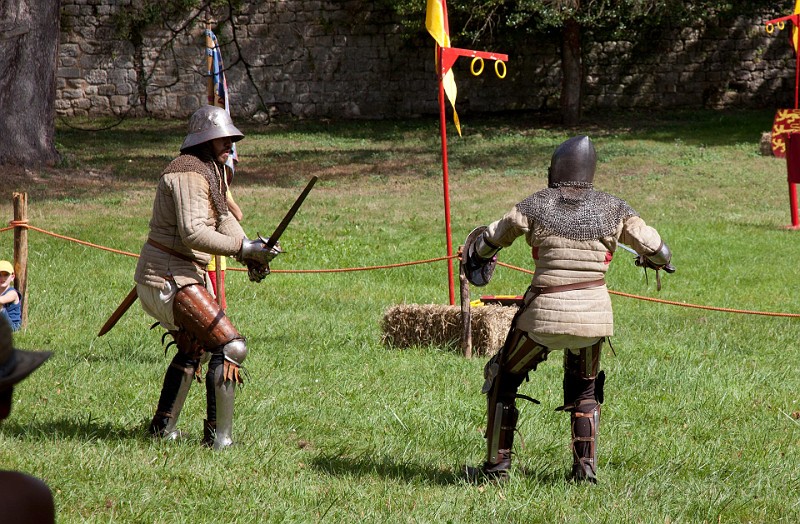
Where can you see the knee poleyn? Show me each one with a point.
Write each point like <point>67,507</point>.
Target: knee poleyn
<point>235,351</point>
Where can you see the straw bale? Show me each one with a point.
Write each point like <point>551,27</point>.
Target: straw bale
<point>409,325</point>
<point>765,146</point>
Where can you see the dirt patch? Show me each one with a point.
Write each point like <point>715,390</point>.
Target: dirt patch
<point>51,183</point>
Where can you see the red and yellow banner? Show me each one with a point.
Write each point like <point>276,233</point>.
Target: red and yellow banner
<point>786,121</point>
<point>436,23</point>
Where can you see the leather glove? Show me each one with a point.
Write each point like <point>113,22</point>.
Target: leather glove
<point>257,272</point>
<point>643,261</point>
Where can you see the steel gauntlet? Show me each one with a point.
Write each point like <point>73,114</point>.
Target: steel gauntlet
<point>257,251</point>
<point>659,259</point>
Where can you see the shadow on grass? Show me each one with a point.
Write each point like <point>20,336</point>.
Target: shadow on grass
<point>87,429</point>
<point>385,467</point>
<point>542,475</point>
<point>410,472</point>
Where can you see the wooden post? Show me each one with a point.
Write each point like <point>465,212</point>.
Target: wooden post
<point>212,100</point>
<point>466,312</point>
<point>212,96</point>
<point>21,251</point>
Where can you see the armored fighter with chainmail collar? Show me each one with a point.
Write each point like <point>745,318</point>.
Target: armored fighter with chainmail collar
<point>573,231</point>
<point>191,223</point>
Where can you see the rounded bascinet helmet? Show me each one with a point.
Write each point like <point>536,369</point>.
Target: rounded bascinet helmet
<point>573,163</point>
<point>208,123</point>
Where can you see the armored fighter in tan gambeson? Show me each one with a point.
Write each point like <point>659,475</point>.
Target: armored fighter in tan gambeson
<point>573,231</point>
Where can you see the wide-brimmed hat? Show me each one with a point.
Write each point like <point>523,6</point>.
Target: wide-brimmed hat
<point>16,364</point>
<point>208,123</point>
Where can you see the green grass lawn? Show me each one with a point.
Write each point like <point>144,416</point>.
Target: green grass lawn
<point>701,419</point>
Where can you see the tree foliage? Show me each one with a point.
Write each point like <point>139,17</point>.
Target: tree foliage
<point>568,21</point>
<point>475,20</point>
<point>143,14</point>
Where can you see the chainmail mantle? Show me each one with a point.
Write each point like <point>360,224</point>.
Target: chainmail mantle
<point>576,213</point>
<point>191,163</point>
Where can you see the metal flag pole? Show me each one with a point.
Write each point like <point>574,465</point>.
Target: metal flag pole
<point>446,56</point>
<point>445,177</point>
<point>780,128</point>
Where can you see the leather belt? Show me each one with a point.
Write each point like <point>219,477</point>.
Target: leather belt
<point>568,287</point>
<point>176,254</point>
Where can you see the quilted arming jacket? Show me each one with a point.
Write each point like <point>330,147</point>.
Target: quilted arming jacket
<point>184,220</point>
<point>559,261</point>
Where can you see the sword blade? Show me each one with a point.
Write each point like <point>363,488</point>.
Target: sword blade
<point>126,303</point>
<point>273,238</point>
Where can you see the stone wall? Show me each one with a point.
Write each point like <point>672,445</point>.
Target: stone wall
<point>348,59</point>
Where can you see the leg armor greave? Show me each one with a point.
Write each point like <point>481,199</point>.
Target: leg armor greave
<point>197,312</point>
<point>500,436</point>
<point>221,385</point>
<point>177,380</point>
<point>583,394</point>
<point>504,373</point>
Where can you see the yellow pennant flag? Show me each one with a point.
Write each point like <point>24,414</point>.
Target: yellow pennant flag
<point>434,22</point>
<point>795,30</point>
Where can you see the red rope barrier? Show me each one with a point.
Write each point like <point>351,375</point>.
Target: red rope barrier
<point>683,304</point>
<point>365,268</point>
<point>82,242</point>
<point>23,223</point>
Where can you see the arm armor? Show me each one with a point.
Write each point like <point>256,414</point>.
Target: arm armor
<point>480,257</point>
<point>483,249</point>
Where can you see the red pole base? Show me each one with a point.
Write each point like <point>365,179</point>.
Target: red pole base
<point>793,206</point>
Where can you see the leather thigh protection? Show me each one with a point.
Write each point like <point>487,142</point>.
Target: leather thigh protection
<point>198,314</point>
<point>504,373</point>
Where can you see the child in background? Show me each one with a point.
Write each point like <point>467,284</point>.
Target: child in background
<point>9,298</point>
<point>236,211</point>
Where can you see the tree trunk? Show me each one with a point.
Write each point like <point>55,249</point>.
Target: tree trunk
<point>29,35</point>
<point>572,73</point>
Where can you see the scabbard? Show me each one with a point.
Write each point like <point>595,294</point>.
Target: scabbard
<point>126,303</point>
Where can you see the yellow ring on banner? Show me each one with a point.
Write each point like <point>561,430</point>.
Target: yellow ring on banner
<point>497,69</point>
<point>472,66</point>
<point>770,28</point>
<point>781,25</point>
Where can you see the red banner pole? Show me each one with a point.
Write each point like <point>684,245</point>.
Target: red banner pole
<point>793,206</point>
<point>445,179</point>
<point>796,69</point>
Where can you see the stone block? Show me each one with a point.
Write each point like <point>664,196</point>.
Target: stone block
<point>97,76</point>
<point>69,72</point>
<point>765,145</point>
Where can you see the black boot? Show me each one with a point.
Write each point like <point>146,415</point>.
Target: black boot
<point>177,381</point>
<point>500,441</point>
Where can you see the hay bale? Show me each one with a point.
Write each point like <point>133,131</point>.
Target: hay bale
<point>440,325</point>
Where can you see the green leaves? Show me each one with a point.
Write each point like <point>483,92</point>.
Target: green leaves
<point>474,20</point>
